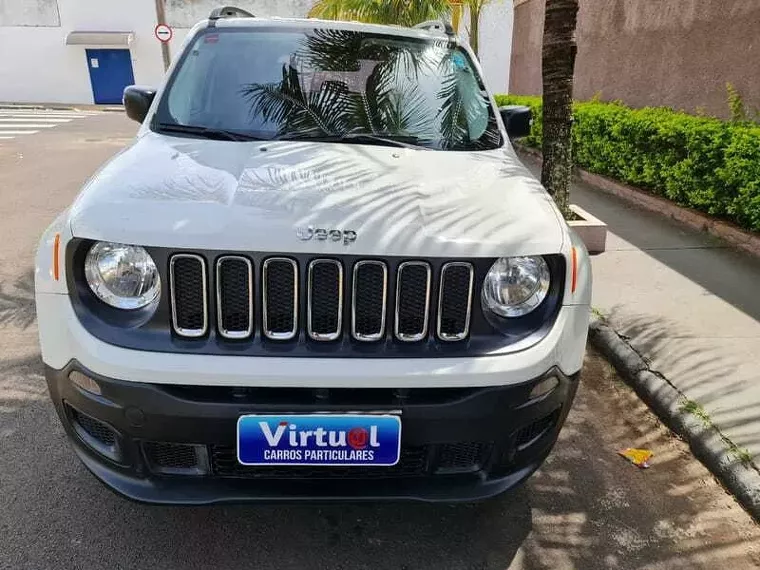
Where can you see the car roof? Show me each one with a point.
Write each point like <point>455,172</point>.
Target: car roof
<point>313,23</point>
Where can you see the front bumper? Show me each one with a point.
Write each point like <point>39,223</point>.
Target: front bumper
<point>458,443</point>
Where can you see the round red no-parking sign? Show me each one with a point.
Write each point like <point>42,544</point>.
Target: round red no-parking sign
<point>163,33</point>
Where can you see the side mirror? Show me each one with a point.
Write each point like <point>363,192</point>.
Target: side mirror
<point>137,101</point>
<point>518,119</point>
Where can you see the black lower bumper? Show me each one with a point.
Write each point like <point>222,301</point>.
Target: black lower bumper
<point>175,444</point>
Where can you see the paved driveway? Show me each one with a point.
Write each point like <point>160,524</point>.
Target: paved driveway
<point>586,508</point>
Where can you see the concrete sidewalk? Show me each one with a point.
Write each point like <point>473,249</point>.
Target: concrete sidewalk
<point>688,304</point>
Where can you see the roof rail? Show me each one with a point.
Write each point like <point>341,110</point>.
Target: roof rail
<point>437,26</point>
<point>227,12</point>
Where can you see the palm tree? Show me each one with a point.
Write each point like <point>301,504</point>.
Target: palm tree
<point>476,7</point>
<point>558,61</point>
<point>400,12</point>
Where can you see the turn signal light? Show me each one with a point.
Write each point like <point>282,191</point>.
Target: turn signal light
<point>84,382</point>
<point>544,387</point>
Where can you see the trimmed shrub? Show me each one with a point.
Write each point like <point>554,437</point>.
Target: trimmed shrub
<point>700,162</point>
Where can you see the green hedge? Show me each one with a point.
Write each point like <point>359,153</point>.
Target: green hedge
<point>700,162</point>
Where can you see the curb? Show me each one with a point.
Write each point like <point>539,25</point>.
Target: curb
<point>705,441</point>
<point>730,233</point>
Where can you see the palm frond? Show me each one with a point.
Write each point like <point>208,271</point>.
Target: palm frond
<point>399,12</point>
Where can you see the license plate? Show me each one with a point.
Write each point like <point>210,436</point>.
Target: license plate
<point>343,440</point>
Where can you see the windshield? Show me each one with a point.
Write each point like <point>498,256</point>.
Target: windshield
<point>337,85</point>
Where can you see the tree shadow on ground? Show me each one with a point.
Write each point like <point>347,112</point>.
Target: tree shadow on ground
<point>17,307</point>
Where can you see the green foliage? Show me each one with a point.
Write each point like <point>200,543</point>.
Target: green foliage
<point>735,104</point>
<point>399,12</point>
<point>699,162</point>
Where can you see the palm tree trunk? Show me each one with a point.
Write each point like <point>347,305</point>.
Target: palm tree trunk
<point>558,61</point>
<point>475,8</point>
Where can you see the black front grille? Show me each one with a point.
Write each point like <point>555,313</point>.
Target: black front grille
<point>413,463</point>
<point>455,301</point>
<point>381,301</point>
<point>280,278</point>
<point>234,282</point>
<point>412,301</point>
<point>189,295</point>
<point>325,303</point>
<point>96,429</point>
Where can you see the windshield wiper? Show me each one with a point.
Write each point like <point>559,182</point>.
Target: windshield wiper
<point>358,138</point>
<point>207,132</point>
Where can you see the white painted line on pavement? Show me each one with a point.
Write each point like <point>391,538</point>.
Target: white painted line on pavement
<point>27,126</point>
<point>19,132</point>
<point>40,119</point>
<point>7,138</point>
<point>41,116</point>
<point>48,113</point>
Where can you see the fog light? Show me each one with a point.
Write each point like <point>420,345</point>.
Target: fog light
<point>544,387</point>
<point>85,382</point>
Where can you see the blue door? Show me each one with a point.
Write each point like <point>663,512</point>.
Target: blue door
<point>110,73</point>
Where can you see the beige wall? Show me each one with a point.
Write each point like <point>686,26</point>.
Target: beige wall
<point>674,53</point>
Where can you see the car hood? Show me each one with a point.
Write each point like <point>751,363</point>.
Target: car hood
<point>256,196</point>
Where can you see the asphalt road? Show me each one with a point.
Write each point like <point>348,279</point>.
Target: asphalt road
<point>586,508</point>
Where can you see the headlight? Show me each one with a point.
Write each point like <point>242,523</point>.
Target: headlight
<point>124,276</point>
<point>515,286</point>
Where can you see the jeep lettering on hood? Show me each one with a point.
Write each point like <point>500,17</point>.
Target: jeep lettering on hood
<point>322,234</point>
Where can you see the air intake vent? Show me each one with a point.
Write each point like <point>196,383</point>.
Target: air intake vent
<point>98,435</point>
<point>369,300</point>
<point>280,293</point>
<point>454,301</point>
<point>234,297</point>
<point>187,274</point>
<point>463,457</point>
<point>176,458</point>
<point>325,299</point>
<point>412,301</point>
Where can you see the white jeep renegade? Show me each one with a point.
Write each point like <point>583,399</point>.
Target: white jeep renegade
<point>319,271</point>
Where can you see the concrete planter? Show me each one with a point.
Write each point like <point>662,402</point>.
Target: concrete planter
<point>592,231</point>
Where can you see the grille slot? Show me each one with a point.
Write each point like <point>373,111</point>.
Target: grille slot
<point>189,296</point>
<point>455,301</point>
<point>412,301</point>
<point>280,298</point>
<point>234,297</point>
<point>369,300</point>
<point>325,300</point>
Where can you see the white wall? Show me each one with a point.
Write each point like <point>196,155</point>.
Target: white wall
<point>496,21</point>
<point>36,65</point>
